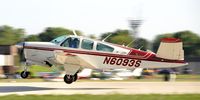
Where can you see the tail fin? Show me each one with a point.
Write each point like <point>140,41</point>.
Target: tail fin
<point>171,48</point>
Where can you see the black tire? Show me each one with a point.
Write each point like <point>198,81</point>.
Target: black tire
<point>75,77</point>
<point>68,79</point>
<point>24,74</point>
<point>167,77</point>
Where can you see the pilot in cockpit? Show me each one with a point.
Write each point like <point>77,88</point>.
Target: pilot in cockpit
<point>73,43</point>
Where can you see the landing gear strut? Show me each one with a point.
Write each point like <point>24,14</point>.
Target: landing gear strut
<point>70,78</point>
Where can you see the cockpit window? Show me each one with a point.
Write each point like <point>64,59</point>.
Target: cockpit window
<point>71,42</point>
<point>58,39</point>
<point>103,47</point>
<point>87,44</point>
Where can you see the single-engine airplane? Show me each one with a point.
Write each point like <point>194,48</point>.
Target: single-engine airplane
<point>78,52</point>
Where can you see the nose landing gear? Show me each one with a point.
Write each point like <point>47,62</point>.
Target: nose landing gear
<point>24,74</point>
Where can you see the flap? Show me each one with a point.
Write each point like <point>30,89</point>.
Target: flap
<point>72,59</point>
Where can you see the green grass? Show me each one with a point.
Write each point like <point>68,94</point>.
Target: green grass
<point>103,97</point>
<point>179,78</point>
<point>190,76</point>
<point>35,68</point>
<point>156,78</point>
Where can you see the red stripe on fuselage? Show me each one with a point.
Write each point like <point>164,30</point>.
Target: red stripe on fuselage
<point>151,57</point>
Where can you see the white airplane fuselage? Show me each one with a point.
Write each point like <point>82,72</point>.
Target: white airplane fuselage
<point>120,57</point>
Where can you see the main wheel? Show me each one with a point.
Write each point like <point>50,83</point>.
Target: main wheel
<point>68,79</point>
<point>24,74</point>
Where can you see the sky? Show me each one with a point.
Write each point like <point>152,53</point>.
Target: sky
<point>100,16</point>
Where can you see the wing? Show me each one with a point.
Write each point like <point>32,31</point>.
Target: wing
<point>72,62</point>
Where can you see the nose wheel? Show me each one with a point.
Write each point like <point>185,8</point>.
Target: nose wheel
<point>70,78</point>
<point>25,74</point>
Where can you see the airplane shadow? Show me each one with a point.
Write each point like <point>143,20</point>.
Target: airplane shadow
<point>4,89</point>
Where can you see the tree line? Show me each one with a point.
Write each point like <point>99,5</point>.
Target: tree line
<point>191,41</point>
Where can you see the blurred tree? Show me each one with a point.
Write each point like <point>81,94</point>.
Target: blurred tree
<point>191,42</point>
<point>92,36</point>
<point>123,37</point>
<point>52,32</point>
<point>142,44</point>
<point>10,35</point>
<point>32,38</point>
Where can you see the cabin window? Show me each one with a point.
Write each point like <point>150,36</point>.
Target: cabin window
<point>103,47</point>
<point>58,39</point>
<point>87,44</point>
<point>71,42</point>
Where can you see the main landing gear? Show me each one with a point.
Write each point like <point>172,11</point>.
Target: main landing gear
<point>70,78</point>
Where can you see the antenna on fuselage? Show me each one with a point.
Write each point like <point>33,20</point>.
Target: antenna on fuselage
<point>74,31</point>
<point>123,44</point>
<point>140,47</point>
<point>107,37</point>
<point>130,43</point>
<point>136,45</point>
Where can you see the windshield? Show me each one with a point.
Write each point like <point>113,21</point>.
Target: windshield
<point>58,39</point>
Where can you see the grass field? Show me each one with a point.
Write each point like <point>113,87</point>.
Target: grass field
<point>156,78</point>
<point>35,68</point>
<point>103,97</point>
